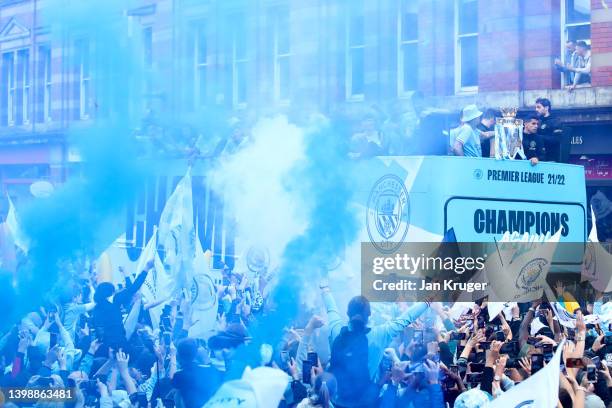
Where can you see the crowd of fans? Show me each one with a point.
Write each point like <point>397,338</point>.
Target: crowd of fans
<point>99,340</point>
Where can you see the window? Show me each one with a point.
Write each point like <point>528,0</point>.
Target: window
<point>83,58</point>
<point>239,61</point>
<point>282,56</point>
<point>25,82</point>
<point>147,46</point>
<point>147,49</point>
<point>200,50</point>
<point>10,84</point>
<point>355,51</point>
<point>466,45</point>
<point>408,47</point>
<point>44,77</point>
<point>575,24</point>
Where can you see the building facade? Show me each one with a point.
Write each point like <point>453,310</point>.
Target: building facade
<point>260,56</point>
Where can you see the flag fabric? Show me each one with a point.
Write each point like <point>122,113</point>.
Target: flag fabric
<point>176,233</point>
<point>159,285</point>
<point>597,263</point>
<point>204,300</point>
<point>540,390</point>
<point>8,257</point>
<point>12,221</point>
<point>524,278</point>
<point>495,308</point>
<point>564,317</point>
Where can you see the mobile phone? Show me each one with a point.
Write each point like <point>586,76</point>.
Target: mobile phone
<point>386,364</point>
<point>547,351</point>
<point>168,403</point>
<point>313,358</point>
<point>481,322</point>
<point>139,398</point>
<point>52,339</point>
<point>485,345</point>
<point>284,356</point>
<point>537,362</point>
<point>532,341</point>
<point>500,335</point>
<point>480,356</point>
<point>167,338</point>
<point>165,322</point>
<point>571,334</point>
<point>512,347</point>
<point>418,336</point>
<point>477,367</point>
<point>306,366</point>
<point>574,363</point>
<point>454,369</point>
<point>591,373</point>
<point>457,336</point>
<point>474,378</point>
<point>596,362</point>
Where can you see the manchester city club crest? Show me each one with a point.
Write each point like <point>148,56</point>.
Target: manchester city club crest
<point>530,274</point>
<point>388,213</point>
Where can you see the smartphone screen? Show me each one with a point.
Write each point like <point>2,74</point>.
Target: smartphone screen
<point>591,373</point>
<point>306,367</point>
<point>574,363</point>
<point>52,339</point>
<point>313,358</point>
<point>418,336</point>
<point>537,362</point>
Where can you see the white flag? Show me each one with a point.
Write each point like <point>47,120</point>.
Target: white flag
<point>158,287</point>
<point>564,317</point>
<point>540,390</point>
<point>176,233</point>
<point>12,221</point>
<point>204,301</point>
<point>597,263</point>
<point>524,279</point>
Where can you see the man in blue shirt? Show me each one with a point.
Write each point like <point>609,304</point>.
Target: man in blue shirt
<point>467,142</point>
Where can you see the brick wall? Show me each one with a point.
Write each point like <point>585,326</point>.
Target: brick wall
<point>601,43</point>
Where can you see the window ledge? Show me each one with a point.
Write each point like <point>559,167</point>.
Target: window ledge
<point>356,98</point>
<point>470,90</point>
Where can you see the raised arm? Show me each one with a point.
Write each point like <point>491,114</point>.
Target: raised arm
<point>334,320</point>
<point>382,334</point>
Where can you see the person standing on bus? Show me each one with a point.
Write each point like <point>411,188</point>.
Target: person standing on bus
<point>487,131</point>
<point>467,142</point>
<point>533,143</point>
<point>549,129</point>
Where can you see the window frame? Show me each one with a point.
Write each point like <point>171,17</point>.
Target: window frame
<point>278,56</point>
<point>45,51</point>
<point>459,88</point>
<point>565,35</point>
<point>84,81</point>
<point>199,28</point>
<point>236,62</point>
<point>348,58</point>
<point>401,89</point>
<point>11,89</point>
<point>26,84</point>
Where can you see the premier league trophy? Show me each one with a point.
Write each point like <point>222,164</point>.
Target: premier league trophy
<point>508,135</point>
